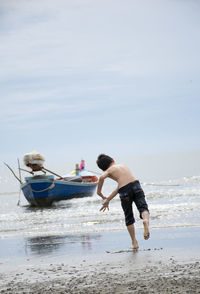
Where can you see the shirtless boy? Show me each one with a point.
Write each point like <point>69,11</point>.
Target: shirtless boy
<point>129,190</point>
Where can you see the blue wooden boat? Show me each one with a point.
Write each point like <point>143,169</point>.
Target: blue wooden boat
<point>43,190</point>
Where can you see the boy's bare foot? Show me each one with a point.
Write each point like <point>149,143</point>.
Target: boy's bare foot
<point>146,229</point>
<point>135,245</point>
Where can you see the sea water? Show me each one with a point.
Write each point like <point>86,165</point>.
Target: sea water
<point>172,204</point>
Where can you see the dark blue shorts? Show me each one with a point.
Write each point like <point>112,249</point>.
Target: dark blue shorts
<point>128,194</point>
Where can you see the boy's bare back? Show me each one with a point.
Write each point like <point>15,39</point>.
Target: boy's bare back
<point>121,174</point>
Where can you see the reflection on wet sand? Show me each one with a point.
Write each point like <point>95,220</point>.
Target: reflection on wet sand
<point>68,243</point>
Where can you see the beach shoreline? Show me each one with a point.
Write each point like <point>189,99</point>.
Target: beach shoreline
<point>173,267</point>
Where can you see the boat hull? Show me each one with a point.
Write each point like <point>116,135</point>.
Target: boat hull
<point>44,190</point>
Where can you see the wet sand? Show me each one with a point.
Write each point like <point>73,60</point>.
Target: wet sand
<point>169,263</point>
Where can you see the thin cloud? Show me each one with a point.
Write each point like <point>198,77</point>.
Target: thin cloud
<point>47,41</point>
<point>99,68</point>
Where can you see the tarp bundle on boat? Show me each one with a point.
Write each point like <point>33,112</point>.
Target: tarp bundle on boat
<point>34,160</point>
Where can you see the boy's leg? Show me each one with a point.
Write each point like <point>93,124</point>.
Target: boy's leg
<point>145,217</point>
<point>142,206</point>
<point>126,204</point>
<point>131,230</point>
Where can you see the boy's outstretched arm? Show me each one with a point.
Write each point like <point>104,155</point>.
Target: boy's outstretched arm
<point>106,202</point>
<point>100,185</point>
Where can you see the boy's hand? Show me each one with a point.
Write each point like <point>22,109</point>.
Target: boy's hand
<point>105,205</point>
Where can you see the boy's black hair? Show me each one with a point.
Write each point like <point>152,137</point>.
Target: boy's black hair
<point>104,161</point>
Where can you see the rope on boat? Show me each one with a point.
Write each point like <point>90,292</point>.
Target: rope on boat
<point>48,188</point>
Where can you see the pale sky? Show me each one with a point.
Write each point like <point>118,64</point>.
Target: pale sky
<point>83,77</point>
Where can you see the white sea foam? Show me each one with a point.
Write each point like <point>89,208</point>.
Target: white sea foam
<point>175,203</point>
